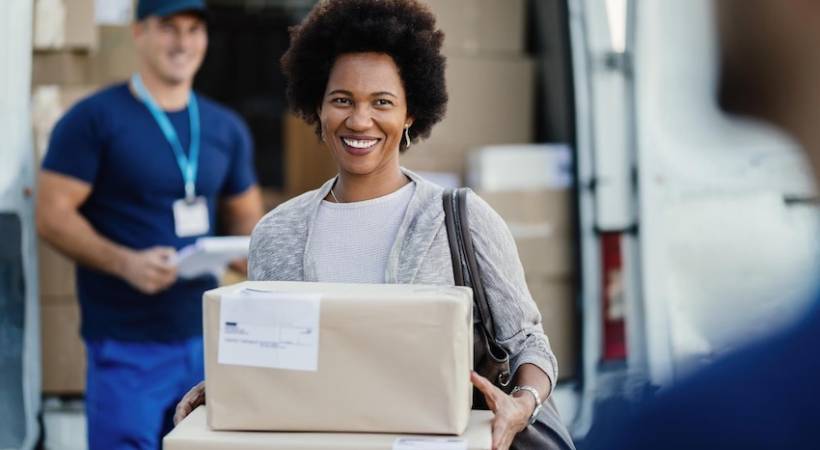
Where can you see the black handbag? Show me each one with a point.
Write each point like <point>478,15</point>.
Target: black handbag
<point>489,359</point>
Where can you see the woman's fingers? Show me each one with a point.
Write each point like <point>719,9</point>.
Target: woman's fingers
<point>497,434</point>
<point>508,419</point>
<point>488,389</point>
<point>503,433</point>
<point>189,402</point>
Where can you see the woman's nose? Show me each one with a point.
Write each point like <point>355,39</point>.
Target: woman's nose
<point>359,119</point>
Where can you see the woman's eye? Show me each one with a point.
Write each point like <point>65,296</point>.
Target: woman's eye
<point>384,102</point>
<point>341,101</point>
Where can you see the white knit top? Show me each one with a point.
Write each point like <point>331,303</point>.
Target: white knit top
<point>352,241</point>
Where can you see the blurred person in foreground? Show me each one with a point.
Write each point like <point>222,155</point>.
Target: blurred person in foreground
<point>766,395</point>
<point>133,173</point>
<point>369,75</point>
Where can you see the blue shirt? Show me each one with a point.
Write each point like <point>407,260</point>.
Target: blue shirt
<point>111,141</point>
<point>763,397</point>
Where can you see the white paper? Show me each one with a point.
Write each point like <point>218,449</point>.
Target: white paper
<point>113,12</point>
<point>210,255</point>
<point>276,330</point>
<point>429,443</point>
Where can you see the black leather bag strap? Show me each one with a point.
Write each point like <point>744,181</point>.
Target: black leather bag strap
<point>465,265</point>
<point>452,237</point>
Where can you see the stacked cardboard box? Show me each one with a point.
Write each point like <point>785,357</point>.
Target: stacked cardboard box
<point>64,24</point>
<point>481,27</point>
<point>530,187</point>
<point>113,60</point>
<point>193,434</point>
<point>314,366</point>
<point>308,162</point>
<point>490,82</point>
<point>319,347</point>
<point>63,354</point>
<point>48,104</point>
<point>72,57</point>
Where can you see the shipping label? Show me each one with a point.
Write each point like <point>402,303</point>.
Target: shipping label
<point>276,330</point>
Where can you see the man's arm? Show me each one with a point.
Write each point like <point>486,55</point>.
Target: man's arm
<point>59,222</point>
<point>241,212</point>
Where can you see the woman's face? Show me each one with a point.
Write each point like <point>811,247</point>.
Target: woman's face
<point>364,112</point>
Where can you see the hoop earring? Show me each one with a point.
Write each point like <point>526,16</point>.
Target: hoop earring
<point>407,136</point>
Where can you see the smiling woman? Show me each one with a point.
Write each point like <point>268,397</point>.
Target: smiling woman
<point>369,75</point>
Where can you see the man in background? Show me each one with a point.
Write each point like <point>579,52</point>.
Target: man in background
<point>133,173</point>
<point>765,396</point>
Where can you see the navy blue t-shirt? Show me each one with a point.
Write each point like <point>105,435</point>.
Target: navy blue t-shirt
<point>111,141</point>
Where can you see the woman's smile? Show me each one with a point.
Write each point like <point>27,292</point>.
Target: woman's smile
<point>359,145</point>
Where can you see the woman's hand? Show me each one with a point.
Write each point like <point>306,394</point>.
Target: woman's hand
<point>512,414</point>
<point>195,397</point>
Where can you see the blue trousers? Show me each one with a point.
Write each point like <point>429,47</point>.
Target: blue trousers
<point>132,390</point>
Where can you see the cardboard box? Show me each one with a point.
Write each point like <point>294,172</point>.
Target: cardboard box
<point>520,167</point>
<point>491,102</point>
<point>61,67</point>
<point>63,351</point>
<point>116,58</point>
<point>447,180</point>
<point>64,24</point>
<point>113,61</point>
<point>49,103</point>
<point>533,206</point>
<point>115,12</point>
<point>194,434</point>
<point>308,162</point>
<point>57,278</point>
<point>541,223</point>
<point>481,26</point>
<point>389,358</point>
<point>555,298</point>
<point>545,252</point>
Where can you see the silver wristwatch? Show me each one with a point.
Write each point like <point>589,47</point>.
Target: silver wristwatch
<point>535,395</point>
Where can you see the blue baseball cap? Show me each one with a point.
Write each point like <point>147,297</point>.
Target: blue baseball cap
<point>164,8</point>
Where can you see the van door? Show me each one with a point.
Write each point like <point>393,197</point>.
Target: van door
<point>611,302</point>
<point>19,312</point>
<point>728,230</point>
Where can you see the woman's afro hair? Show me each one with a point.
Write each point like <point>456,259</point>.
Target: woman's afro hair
<point>404,29</point>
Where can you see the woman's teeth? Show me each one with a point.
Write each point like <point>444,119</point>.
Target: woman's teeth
<point>360,143</point>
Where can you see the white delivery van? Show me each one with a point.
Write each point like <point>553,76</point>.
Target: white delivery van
<point>697,231</point>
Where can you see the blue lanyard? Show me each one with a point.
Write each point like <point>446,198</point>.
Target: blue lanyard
<point>188,165</point>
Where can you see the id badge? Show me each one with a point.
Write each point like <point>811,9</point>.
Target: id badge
<point>191,218</point>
